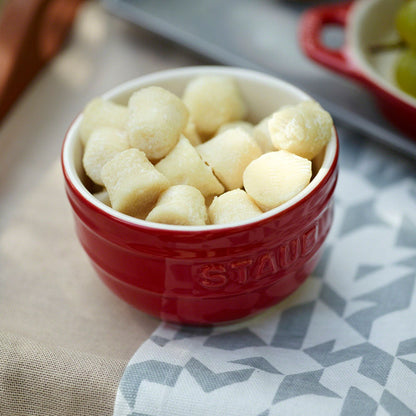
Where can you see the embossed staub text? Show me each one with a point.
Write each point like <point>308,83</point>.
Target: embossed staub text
<point>214,276</point>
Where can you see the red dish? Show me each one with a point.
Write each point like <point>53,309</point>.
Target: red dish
<point>366,23</point>
<point>207,274</point>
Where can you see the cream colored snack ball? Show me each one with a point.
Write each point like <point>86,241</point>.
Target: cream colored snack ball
<point>303,129</point>
<point>180,205</point>
<point>213,101</point>
<point>276,177</point>
<point>191,134</point>
<point>232,206</point>
<point>228,154</point>
<point>156,120</point>
<point>183,165</point>
<point>101,113</point>
<point>103,197</point>
<point>245,125</point>
<point>103,145</point>
<point>133,183</point>
<point>261,135</point>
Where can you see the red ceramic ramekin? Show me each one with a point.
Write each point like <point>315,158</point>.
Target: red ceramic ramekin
<point>366,23</point>
<point>205,274</point>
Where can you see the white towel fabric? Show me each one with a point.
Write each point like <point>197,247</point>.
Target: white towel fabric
<point>344,344</point>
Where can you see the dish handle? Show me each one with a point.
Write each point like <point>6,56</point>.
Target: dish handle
<point>312,24</point>
<point>31,34</point>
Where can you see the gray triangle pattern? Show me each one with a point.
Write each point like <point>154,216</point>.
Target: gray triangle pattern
<point>360,215</point>
<point>292,326</point>
<point>242,338</point>
<point>332,299</point>
<point>210,381</point>
<point>259,363</point>
<point>301,384</point>
<point>386,174</point>
<point>409,364</point>
<point>161,341</point>
<point>407,234</point>
<point>358,403</point>
<point>390,298</point>
<point>407,347</point>
<point>412,191</point>
<point>409,262</point>
<point>394,406</point>
<point>375,363</point>
<point>365,269</point>
<point>322,265</point>
<point>152,370</point>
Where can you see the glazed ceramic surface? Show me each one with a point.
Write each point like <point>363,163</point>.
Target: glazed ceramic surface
<point>367,23</point>
<point>205,274</point>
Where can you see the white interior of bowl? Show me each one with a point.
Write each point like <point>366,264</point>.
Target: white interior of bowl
<point>372,22</point>
<point>263,94</point>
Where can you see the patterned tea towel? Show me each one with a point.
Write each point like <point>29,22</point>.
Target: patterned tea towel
<point>343,345</point>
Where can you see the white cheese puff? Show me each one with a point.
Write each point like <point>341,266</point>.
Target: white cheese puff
<point>103,144</point>
<point>103,197</point>
<point>180,205</point>
<point>156,120</point>
<point>303,129</point>
<point>101,113</point>
<point>232,206</point>
<point>276,177</point>
<point>228,154</point>
<point>262,136</point>
<point>213,101</point>
<point>245,125</point>
<point>191,134</point>
<point>183,165</point>
<point>133,183</point>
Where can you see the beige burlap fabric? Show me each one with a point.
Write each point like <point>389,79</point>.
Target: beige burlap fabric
<point>50,293</point>
<point>39,380</point>
<point>64,337</point>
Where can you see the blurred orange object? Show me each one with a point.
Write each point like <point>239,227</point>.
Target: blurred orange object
<point>31,33</point>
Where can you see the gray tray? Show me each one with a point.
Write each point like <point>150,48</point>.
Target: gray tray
<point>262,35</point>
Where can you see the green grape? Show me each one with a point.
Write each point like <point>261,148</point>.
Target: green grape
<point>406,72</point>
<point>406,22</point>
